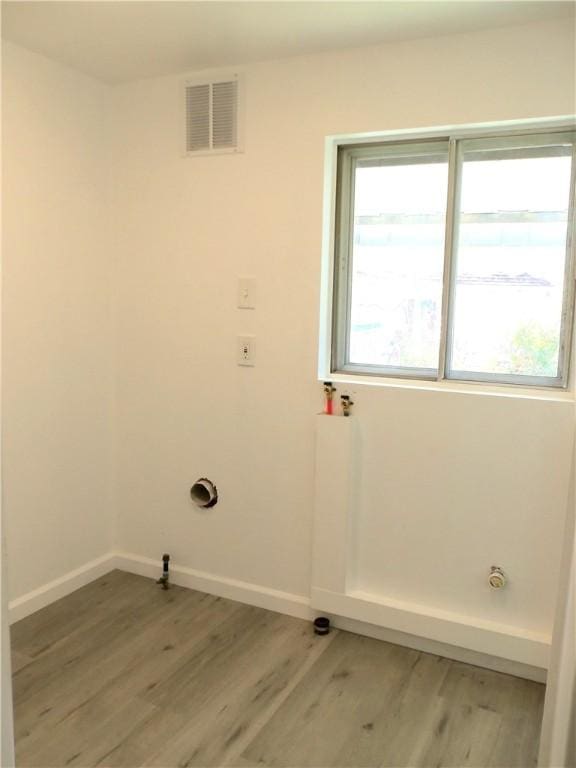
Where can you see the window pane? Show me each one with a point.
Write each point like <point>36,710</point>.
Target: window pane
<point>397,263</point>
<point>511,252</point>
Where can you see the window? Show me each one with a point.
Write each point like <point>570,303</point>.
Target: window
<point>452,258</point>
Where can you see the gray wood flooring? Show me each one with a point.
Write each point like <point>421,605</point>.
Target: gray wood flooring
<point>122,673</point>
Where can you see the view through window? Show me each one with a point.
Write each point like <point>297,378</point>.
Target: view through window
<point>453,259</point>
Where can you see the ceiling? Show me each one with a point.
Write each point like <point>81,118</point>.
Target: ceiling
<point>120,40</point>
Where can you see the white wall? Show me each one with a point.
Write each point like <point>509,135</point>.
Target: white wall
<point>558,736</point>
<point>6,709</point>
<point>452,483</point>
<point>56,320</point>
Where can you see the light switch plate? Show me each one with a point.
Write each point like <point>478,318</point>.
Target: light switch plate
<point>246,293</point>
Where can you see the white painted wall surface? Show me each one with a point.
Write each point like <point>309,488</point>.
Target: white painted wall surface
<point>7,758</point>
<point>452,483</point>
<point>558,736</point>
<point>56,320</point>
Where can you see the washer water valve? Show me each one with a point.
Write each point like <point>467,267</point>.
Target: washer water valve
<point>346,404</point>
<point>497,578</point>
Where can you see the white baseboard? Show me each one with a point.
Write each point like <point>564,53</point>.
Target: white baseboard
<point>262,597</point>
<point>299,606</point>
<point>48,593</point>
<point>512,645</point>
<point>233,589</point>
<point>448,651</point>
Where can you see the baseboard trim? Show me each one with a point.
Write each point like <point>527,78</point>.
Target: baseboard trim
<point>300,607</point>
<point>263,597</point>
<point>486,638</point>
<point>64,585</point>
<point>233,589</point>
<point>454,652</point>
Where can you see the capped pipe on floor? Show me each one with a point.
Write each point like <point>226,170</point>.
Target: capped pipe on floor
<point>165,578</point>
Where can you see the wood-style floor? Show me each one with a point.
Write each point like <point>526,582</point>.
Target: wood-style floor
<point>121,673</point>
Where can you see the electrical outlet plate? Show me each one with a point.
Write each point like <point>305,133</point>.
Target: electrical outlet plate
<point>246,350</point>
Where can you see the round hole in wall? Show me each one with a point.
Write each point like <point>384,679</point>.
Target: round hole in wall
<point>204,493</point>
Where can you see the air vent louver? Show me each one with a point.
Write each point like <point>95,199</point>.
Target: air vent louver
<point>197,117</point>
<point>212,116</point>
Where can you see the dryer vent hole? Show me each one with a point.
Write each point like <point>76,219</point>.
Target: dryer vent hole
<point>204,493</point>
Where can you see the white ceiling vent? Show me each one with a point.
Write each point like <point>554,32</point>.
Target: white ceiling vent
<point>212,116</point>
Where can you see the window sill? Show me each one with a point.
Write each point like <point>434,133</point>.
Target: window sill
<point>513,391</point>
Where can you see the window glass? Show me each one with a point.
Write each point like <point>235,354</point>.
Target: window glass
<point>397,264</point>
<point>511,253</point>
<point>453,258</point>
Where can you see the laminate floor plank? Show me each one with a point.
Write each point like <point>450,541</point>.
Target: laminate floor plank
<point>19,661</point>
<point>88,735</point>
<point>139,654</point>
<point>61,679</point>
<point>86,643</point>
<point>122,674</point>
<point>150,735</point>
<point>457,735</point>
<point>389,740</point>
<point>516,744</point>
<point>490,690</point>
<point>54,669</point>
<point>227,701</point>
<point>333,717</point>
<point>167,646</point>
<point>161,651</point>
<point>78,611</point>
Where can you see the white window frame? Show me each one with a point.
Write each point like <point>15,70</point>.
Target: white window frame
<point>334,326</point>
